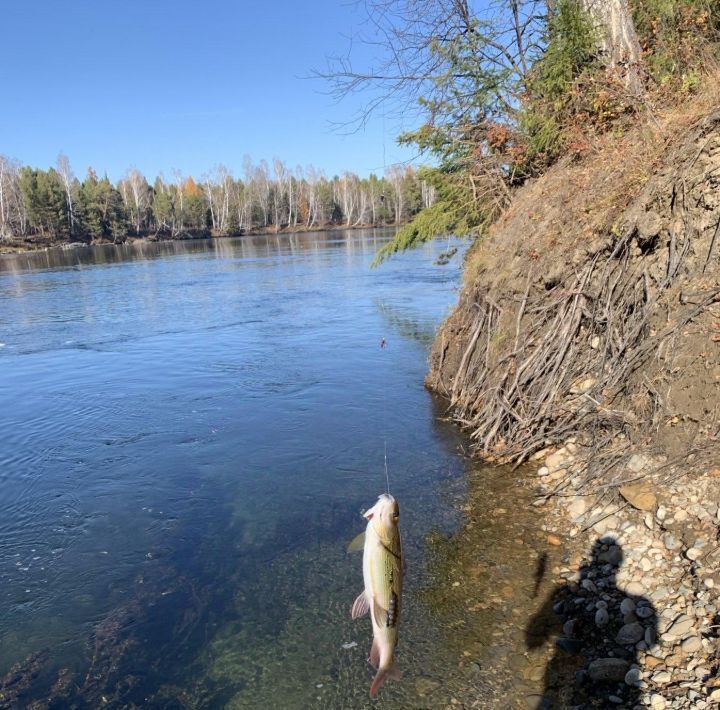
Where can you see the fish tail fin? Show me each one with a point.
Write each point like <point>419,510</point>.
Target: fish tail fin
<point>381,676</point>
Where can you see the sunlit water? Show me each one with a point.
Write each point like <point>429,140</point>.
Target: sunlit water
<point>189,434</point>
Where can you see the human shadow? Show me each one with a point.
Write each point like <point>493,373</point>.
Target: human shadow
<point>603,629</point>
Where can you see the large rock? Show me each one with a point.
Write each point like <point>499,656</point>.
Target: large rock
<point>640,496</point>
<point>608,669</point>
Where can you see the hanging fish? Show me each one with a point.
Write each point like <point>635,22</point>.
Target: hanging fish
<point>383,573</point>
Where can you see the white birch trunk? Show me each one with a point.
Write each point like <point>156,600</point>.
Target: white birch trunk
<point>618,40</point>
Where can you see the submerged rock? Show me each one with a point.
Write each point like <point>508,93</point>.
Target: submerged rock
<point>425,686</point>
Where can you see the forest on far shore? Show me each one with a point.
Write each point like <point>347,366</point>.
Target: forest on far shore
<point>41,206</point>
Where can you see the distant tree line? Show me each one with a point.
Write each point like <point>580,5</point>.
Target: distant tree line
<point>54,204</point>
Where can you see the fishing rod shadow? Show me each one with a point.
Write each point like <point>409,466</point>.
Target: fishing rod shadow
<point>540,571</point>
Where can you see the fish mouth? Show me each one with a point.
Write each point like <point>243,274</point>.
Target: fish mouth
<point>391,505</point>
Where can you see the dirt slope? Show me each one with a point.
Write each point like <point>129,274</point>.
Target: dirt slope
<point>592,308</point>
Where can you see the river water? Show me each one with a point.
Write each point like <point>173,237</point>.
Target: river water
<point>190,432</point>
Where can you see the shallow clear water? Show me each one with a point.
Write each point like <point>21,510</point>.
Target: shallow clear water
<point>189,434</point>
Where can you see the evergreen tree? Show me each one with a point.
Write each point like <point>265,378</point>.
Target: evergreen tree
<point>163,207</point>
<point>101,209</point>
<point>44,200</point>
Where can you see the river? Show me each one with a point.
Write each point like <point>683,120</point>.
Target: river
<point>190,432</point>
<point>194,428</point>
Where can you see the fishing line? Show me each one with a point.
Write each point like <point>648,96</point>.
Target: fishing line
<point>383,344</point>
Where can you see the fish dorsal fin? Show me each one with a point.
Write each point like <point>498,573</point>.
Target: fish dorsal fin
<point>380,614</point>
<point>361,606</point>
<point>357,543</point>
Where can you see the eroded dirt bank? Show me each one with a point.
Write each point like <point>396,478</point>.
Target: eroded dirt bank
<point>586,342</point>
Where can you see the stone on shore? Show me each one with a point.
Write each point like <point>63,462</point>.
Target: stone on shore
<point>608,669</point>
<point>640,496</point>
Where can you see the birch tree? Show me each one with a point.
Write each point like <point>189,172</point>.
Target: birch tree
<point>68,181</point>
<point>12,212</point>
<point>135,192</point>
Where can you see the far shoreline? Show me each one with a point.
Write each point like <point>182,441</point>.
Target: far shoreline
<point>22,246</point>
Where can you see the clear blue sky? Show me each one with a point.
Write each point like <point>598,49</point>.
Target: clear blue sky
<point>159,85</point>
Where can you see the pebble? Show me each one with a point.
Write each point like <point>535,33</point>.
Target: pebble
<point>633,676</point>
<point>635,588</point>
<point>691,644</point>
<point>661,677</point>
<point>650,636</point>
<point>627,605</point>
<point>578,506</point>
<point>589,585</point>
<point>608,669</point>
<point>640,496</point>
<point>602,526</point>
<point>601,617</point>
<point>637,463</point>
<point>657,702</point>
<point>693,553</point>
<point>556,460</point>
<point>630,634</point>
<point>680,626</point>
<point>670,542</point>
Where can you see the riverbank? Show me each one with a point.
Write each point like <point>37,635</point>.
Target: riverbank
<point>636,623</point>
<point>586,342</point>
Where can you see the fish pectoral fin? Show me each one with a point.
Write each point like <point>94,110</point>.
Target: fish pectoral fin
<point>361,606</point>
<point>380,614</point>
<point>357,543</point>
